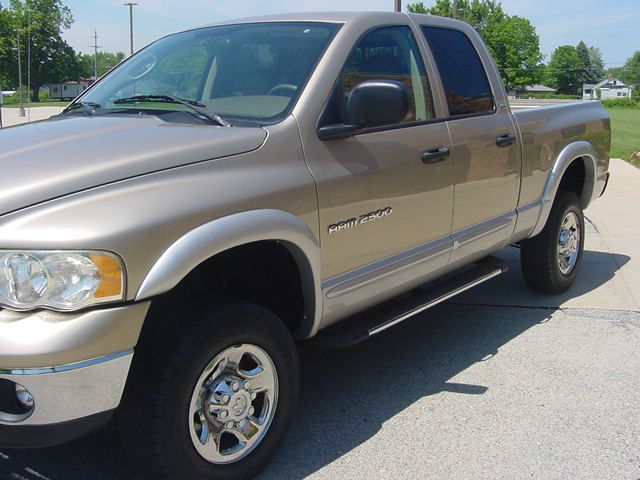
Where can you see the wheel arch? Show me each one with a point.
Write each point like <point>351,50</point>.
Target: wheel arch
<point>576,157</point>
<point>225,234</point>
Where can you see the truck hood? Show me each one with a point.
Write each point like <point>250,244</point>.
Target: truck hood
<point>56,157</point>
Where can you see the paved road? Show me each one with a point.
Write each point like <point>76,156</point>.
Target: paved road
<point>501,383</point>
<point>11,116</point>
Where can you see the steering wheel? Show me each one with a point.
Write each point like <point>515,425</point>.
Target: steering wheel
<point>146,64</point>
<point>284,90</point>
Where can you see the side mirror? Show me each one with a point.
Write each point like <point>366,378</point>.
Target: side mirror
<point>372,103</point>
<point>378,102</point>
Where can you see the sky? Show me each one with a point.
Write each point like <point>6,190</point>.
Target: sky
<point>608,25</point>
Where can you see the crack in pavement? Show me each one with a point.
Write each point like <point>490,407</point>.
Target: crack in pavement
<point>7,461</point>
<point>541,307</point>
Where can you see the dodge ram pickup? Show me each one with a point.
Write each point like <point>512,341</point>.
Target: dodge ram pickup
<point>230,190</point>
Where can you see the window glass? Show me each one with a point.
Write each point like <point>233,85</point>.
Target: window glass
<point>465,81</point>
<point>247,72</point>
<point>391,53</point>
<point>174,74</point>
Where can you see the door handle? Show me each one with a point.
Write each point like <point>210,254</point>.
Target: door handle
<point>434,156</point>
<point>506,140</point>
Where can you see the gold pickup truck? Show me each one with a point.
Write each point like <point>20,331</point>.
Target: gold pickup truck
<point>230,190</point>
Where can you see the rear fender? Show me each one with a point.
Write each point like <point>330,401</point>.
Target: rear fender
<point>579,151</point>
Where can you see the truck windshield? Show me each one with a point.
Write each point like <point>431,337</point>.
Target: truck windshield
<point>251,72</point>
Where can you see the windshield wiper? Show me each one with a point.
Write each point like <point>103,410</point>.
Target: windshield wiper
<point>88,107</point>
<point>192,105</point>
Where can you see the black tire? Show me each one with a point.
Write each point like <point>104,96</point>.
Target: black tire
<point>539,255</point>
<point>153,418</point>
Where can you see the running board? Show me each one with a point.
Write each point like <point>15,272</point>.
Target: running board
<point>377,319</point>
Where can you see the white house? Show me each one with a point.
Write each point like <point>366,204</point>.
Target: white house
<point>610,89</point>
<point>67,90</point>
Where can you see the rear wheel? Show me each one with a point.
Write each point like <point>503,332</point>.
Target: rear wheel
<point>215,401</point>
<point>551,260</point>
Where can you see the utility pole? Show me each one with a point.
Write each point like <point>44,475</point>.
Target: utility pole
<point>398,5</point>
<point>131,5</point>
<point>20,75</point>
<point>95,47</point>
<point>455,9</point>
<point>29,58</point>
<point>1,102</point>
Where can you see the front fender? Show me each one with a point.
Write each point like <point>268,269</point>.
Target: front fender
<point>217,236</point>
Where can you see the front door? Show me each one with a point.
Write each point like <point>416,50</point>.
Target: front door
<point>385,208</point>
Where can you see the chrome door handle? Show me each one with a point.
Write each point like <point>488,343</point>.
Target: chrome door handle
<point>506,140</point>
<point>434,156</point>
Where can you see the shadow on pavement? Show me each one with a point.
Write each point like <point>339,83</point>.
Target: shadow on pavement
<point>598,270</point>
<point>346,394</point>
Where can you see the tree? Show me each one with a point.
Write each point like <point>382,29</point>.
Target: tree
<point>417,7</point>
<point>631,70</point>
<point>7,44</point>
<point>512,40</point>
<point>478,13</point>
<point>596,75</point>
<point>565,71</point>
<point>616,72</point>
<point>516,50</point>
<point>106,61</point>
<point>584,62</point>
<point>591,64</point>
<point>52,59</point>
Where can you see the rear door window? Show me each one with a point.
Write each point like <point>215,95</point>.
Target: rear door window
<point>464,78</point>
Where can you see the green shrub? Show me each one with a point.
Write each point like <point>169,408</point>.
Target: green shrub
<point>15,98</point>
<point>622,103</point>
<point>44,96</point>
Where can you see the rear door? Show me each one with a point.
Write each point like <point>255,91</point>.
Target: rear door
<point>485,150</point>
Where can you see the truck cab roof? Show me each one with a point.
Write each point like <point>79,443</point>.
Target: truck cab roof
<point>343,17</point>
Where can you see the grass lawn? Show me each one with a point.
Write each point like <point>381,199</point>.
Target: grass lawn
<point>40,104</point>
<point>625,132</point>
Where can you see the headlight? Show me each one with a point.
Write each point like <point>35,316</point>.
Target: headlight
<point>59,280</point>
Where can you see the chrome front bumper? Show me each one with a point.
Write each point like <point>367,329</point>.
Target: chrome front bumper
<point>70,392</point>
<point>74,366</point>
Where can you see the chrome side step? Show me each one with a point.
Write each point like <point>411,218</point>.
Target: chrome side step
<point>378,319</point>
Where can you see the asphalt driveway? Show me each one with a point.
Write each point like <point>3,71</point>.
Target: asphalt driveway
<point>500,383</point>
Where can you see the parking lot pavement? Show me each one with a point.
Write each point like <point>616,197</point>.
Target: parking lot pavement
<point>11,116</point>
<point>501,383</point>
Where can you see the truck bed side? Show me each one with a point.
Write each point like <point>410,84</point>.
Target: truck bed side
<point>552,137</point>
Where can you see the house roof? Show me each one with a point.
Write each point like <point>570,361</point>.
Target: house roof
<point>609,83</point>
<point>539,88</point>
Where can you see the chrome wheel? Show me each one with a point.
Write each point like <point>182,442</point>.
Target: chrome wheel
<point>233,404</point>
<point>569,243</point>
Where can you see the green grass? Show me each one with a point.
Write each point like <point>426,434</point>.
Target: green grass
<point>625,133</point>
<point>32,105</point>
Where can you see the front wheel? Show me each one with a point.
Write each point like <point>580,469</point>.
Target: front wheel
<point>217,404</point>
<point>551,260</point>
